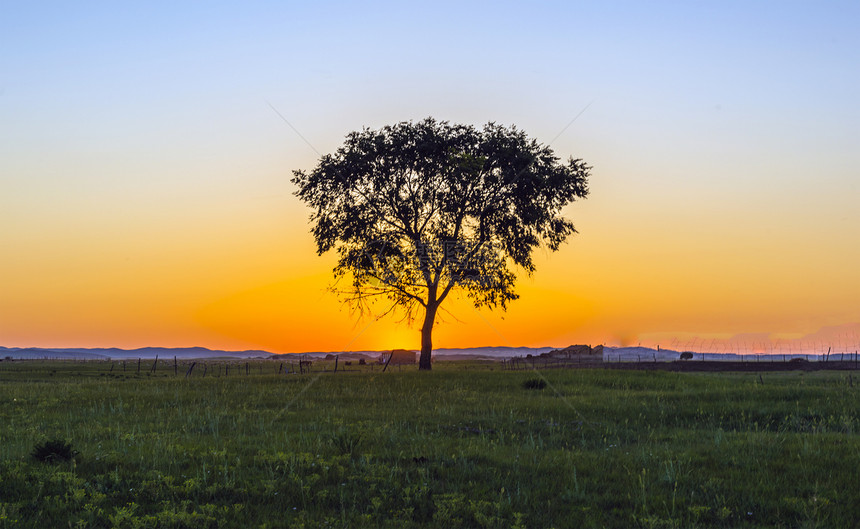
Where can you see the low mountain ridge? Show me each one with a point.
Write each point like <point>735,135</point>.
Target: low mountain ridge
<point>114,353</point>
<point>149,353</point>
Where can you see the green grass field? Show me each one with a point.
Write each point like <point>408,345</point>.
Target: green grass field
<point>453,448</point>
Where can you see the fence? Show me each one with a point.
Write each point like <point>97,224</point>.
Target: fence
<point>841,357</point>
<point>213,368</point>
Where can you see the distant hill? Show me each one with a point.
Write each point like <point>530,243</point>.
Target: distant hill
<point>194,353</point>
<point>495,353</point>
<point>124,354</point>
<point>478,353</point>
<point>33,353</point>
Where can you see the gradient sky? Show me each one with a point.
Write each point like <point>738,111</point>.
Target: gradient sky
<point>144,177</point>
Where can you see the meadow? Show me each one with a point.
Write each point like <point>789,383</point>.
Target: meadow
<point>462,446</point>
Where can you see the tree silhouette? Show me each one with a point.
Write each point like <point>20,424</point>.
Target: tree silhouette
<point>417,210</point>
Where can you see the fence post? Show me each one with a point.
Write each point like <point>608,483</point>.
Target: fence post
<point>138,366</point>
<point>190,369</point>
<point>335,362</point>
<point>175,367</point>
<point>154,365</point>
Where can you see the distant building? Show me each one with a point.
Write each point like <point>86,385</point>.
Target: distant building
<point>399,357</point>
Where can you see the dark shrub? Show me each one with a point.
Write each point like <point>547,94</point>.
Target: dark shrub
<point>53,451</point>
<point>686,355</point>
<point>534,383</point>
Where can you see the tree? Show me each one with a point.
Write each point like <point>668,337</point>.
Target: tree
<point>417,210</point>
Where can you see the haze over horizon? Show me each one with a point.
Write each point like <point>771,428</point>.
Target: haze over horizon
<point>144,175</point>
<point>837,339</point>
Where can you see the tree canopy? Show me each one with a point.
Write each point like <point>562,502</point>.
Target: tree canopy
<point>417,210</point>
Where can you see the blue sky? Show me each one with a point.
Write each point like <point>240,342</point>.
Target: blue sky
<point>722,135</point>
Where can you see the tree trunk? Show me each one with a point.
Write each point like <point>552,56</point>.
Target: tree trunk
<point>427,337</point>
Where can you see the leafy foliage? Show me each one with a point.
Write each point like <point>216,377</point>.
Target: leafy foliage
<point>415,210</point>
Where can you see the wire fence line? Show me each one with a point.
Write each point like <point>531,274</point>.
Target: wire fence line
<point>301,365</point>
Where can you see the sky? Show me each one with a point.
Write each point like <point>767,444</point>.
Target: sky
<point>146,151</point>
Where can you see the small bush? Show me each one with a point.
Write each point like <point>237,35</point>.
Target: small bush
<point>534,383</point>
<point>346,443</point>
<point>53,451</point>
